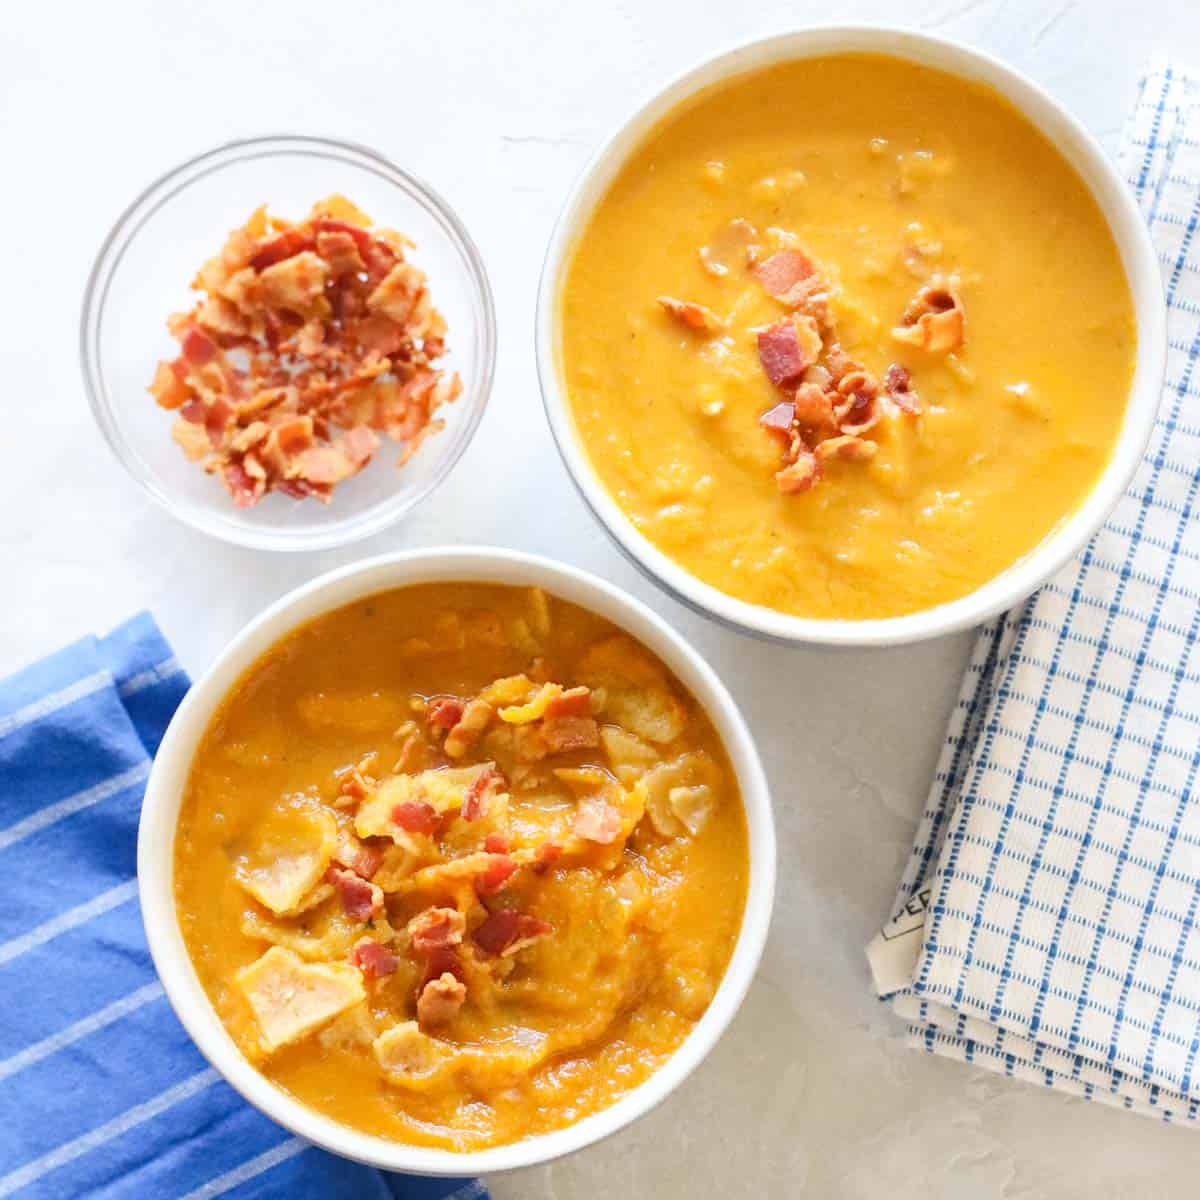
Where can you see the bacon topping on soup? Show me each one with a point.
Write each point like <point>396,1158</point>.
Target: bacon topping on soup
<point>505,932</point>
<point>361,899</point>
<point>475,912</point>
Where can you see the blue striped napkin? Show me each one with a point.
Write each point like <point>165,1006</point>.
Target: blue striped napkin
<point>1045,926</point>
<point>101,1091</point>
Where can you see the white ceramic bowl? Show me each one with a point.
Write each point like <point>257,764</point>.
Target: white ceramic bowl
<point>164,792</point>
<point>1137,255</point>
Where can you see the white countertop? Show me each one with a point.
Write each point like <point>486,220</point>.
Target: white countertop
<point>811,1093</point>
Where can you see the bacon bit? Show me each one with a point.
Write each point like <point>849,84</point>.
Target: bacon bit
<point>440,1000</point>
<point>355,785</point>
<point>858,382</point>
<point>415,816</point>
<point>357,234</point>
<point>325,374</point>
<point>216,418</point>
<point>436,929</point>
<point>197,347</point>
<point>445,712</point>
<point>194,411</point>
<point>562,734</point>
<point>779,419</point>
<point>358,857</point>
<point>935,320</point>
<point>814,409</point>
<point>282,245</point>
<point>852,449</point>
<point>496,843</point>
<point>838,362</point>
<point>372,959</point>
<point>574,702</point>
<point>476,717</point>
<point>358,444</point>
<point>340,251</point>
<point>505,932</point>
<point>244,489</point>
<point>495,875</point>
<point>480,792</point>
<point>378,334</point>
<point>788,276</point>
<point>693,316</point>
<point>597,821</point>
<point>898,384</point>
<point>858,413</point>
<point>548,853</point>
<point>361,899</point>
<point>800,474</point>
<point>442,960</point>
<point>168,389</point>
<point>783,357</point>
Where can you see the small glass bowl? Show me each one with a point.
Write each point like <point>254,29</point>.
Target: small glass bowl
<point>142,275</point>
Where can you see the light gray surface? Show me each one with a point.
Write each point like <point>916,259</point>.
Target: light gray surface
<point>811,1093</point>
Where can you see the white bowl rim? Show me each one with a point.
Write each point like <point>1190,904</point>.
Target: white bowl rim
<point>168,775</point>
<point>160,191</point>
<point>1130,233</point>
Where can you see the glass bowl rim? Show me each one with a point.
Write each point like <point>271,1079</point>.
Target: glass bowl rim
<point>165,187</point>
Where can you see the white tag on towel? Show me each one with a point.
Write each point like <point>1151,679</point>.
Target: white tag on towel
<point>894,950</point>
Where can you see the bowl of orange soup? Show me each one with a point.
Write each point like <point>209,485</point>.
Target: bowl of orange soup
<point>456,861</point>
<point>851,336</point>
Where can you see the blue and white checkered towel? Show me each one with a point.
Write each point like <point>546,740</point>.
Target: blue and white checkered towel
<point>1046,923</point>
<point>102,1094</point>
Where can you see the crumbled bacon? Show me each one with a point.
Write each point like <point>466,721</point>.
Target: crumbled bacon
<point>788,276</point>
<point>814,410</point>
<point>282,245</point>
<point>358,857</point>
<point>445,712</point>
<point>831,400</point>
<point>360,898</point>
<point>496,843</point>
<point>373,959</point>
<point>169,388</point>
<point>800,474</point>
<point>597,821</point>
<point>505,932</point>
<point>783,357</point>
<point>436,929</point>
<point>563,734</point>
<point>574,702</point>
<point>779,419</point>
<point>898,384</point>
<point>692,316</point>
<point>935,321</point>
<point>244,489</point>
<point>440,1000</point>
<point>858,412</point>
<point>322,331</point>
<point>416,816</point>
<point>354,783</point>
<point>476,717</point>
<point>849,448</point>
<point>197,347</point>
<point>441,960</point>
<point>479,793</point>
<point>548,853</point>
<point>499,869</point>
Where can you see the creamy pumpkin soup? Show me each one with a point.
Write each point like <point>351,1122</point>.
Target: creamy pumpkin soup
<point>460,863</point>
<point>846,337</point>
